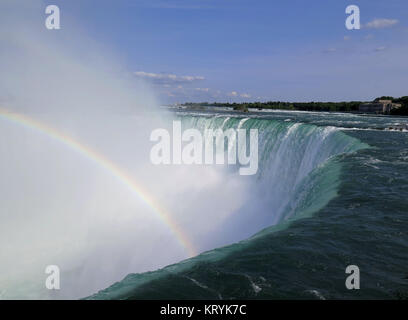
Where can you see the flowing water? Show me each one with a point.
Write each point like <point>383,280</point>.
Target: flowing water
<point>331,191</point>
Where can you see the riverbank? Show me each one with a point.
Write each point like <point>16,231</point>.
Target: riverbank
<point>344,106</point>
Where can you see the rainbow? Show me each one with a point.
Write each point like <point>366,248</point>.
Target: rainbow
<point>113,169</point>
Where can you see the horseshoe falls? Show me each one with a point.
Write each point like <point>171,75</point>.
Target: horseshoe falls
<point>327,194</point>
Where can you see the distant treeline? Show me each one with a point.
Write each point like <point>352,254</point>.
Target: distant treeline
<point>350,106</point>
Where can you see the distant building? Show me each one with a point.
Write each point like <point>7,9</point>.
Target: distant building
<point>382,106</point>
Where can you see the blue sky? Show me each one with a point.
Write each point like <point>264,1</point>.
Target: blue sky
<point>242,50</point>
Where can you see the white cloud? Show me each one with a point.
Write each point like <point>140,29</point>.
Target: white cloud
<point>165,78</point>
<point>330,50</point>
<point>237,94</point>
<point>203,89</point>
<point>381,23</point>
<point>380,49</point>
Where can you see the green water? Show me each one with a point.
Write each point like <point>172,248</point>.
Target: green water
<point>343,201</point>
